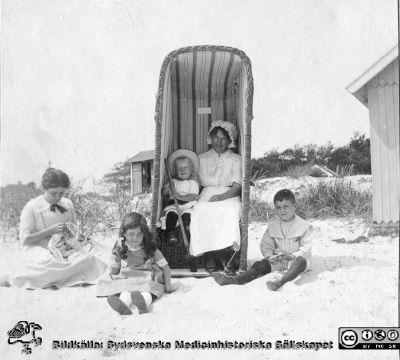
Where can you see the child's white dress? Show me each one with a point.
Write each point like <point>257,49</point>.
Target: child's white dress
<point>183,187</point>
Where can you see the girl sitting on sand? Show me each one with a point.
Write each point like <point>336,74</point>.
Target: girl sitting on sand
<point>143,269</point>
<point>183,165</point>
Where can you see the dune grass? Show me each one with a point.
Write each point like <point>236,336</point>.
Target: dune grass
<point>298,171</point>
<point>337,198</point>
<point>260,211</point>
<point>97,213</point>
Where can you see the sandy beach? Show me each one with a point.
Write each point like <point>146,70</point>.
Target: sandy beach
<point>350,284</point>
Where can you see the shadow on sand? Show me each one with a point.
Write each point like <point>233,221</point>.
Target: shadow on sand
<point>320,264</point>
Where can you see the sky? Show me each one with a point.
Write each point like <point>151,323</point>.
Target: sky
<point>79,77</point>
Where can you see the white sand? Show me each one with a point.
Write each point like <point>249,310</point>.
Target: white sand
<point>350,285</point>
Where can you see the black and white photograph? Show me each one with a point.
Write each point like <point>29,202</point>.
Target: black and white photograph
<point>199,179</point>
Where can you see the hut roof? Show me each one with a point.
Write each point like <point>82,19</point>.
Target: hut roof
<point>323,171</point>
<point>358,86</point>
<point>142,156</point>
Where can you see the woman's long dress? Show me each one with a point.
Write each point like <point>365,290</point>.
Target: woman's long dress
<point>215,225</point>
<point>43,270</point>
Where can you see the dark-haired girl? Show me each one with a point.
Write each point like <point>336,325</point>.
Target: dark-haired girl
<point>41,218</point>
<point>135,256</point>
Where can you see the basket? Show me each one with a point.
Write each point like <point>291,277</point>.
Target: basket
<point>175,254</point>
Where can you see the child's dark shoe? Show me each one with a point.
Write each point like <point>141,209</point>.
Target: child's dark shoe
<point>118,305</point>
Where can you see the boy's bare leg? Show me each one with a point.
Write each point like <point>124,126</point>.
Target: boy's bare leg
<point>259,268</point>
<point>297,267</point>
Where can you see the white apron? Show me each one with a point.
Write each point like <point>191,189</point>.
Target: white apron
<point>214,225</point>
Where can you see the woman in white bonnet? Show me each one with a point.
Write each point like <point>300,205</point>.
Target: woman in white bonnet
<point>215,218</point>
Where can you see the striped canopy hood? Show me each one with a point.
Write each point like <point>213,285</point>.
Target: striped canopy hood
<point>202,84</point>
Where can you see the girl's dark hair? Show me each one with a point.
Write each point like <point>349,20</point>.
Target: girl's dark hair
<point>53,178</point>
<point>132,221</point>
<point>214,131</point>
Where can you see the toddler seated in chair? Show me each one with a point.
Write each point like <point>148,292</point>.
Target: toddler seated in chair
<point>183,165</point>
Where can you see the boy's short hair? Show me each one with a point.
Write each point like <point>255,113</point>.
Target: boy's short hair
<point>284,194</point>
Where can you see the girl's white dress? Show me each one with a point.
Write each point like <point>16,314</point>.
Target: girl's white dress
<point>215,225</point>
<point>43,270</point>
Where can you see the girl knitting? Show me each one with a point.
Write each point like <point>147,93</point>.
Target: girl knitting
<point>135,257</point>
<point>183,165</point>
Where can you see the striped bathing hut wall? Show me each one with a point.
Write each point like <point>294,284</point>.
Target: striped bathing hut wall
<point>199,85</point>
<point>383,104</point>
<point>378,89</point>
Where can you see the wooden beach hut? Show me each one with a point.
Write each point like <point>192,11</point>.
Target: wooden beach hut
<point>377,88</point>
<point>141,171</point>
<point>197,85</point>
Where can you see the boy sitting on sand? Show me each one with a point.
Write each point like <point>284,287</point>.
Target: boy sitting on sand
<point>286,246</point>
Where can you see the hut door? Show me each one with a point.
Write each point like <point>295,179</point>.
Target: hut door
<point>146,176</point>
<point>137,178</point>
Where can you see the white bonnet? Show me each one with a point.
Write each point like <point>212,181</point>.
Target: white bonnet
<point>230,129</point>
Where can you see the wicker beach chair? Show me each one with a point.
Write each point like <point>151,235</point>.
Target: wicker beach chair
<point>197,85</point>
